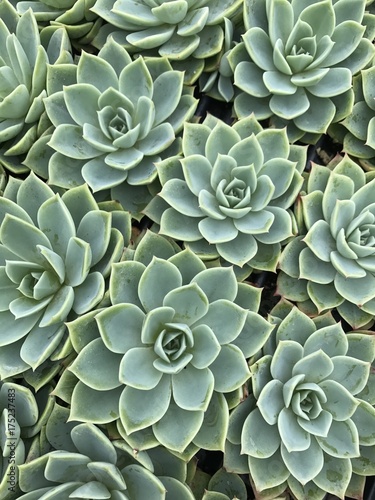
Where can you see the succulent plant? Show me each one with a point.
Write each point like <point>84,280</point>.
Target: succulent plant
<point>356,132</point>
<point>95,467</point>
<point>185,326</point>
<point>230,193</point>
<point>56,252</point>
<point>185,31</point>
<point>76,16</point>
<point>23,70</point>
<point>114,123</point>
<point>304,421</point>
<point>299,72</point>
<point>331,264</point>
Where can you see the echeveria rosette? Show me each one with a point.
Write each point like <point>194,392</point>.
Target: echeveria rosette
<point>356,132</point>
<point>56,252</point>
<point>23,70</point>
<point>92,466</point>
<point>299,72</point>
<point>186,326</point>
<point>187,32</point>
<point>120,118</point>
<point>331,264</point>
<point>229,196</point>
<point>305,425</point>
<point>75,16</point>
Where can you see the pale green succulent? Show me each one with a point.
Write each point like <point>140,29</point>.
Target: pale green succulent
<point>95,467</point>
<point>186,326</point>
<point>357,131</point>
<point>305,426</point>
<point>56,252</point>
<point>23,70</point>
<point>111,126</point>
<point>76,16</point>
<point>229,196</point>
<point>185,31</point>
<point>332,263</point>
<point>298,72</point>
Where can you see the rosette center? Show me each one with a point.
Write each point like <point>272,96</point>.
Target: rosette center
<point>171,346</point>
<point>306,401</point>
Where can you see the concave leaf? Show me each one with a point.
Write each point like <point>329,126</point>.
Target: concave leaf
<point>87,366</point>
<point>91,441</point>
<point>334,476</point>
<point>211,282</point>
<point>271,401</point>
<point>94,229</point>
<point>293,436</point>
<point>33,192</point>
<point>214,428</point>
<point>189,303</point>
<point>350,372</point>
<point>340,403</point>
<point>140,409</point>
<point>130,373</point>
<point>68,140</point>
<point>304,465</point>
<point>120,327</point>
<point>364,420</point>
<point>40,344</point>
<point>225,319</point>
<point>159,278</point>
<point>277,473</point>
<point>97,407</point>
<point>182,382</point>
<point>135,80</point>
<point>177,427</point>
<point>341,441</point>
<point>229,369</point>
<point>82,103</point>
<point>138,479</point>
<point>259,439</point>
<point>22,239</point>
<point>166,94</point>
<point>94,70</point>
<point>130,273</point>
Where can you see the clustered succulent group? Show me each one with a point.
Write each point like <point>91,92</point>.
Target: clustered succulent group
<point>187,249</point>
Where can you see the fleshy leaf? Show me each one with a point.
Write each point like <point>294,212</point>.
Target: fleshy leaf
<point>140,409</point>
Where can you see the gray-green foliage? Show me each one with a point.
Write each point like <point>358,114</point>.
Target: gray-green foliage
<point>75,16</point>
<point>115,120</point>
<point>307,421</point>
<point>298,72</point>
<point>23,63</point>
<point>55,254</point>
<point>187,32</point>
<point>229,195</point>
<point>186,326</point>
<point>87,464</point>
<point>128,354</point>
<point>357,131</point>
<point>331,263</point>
